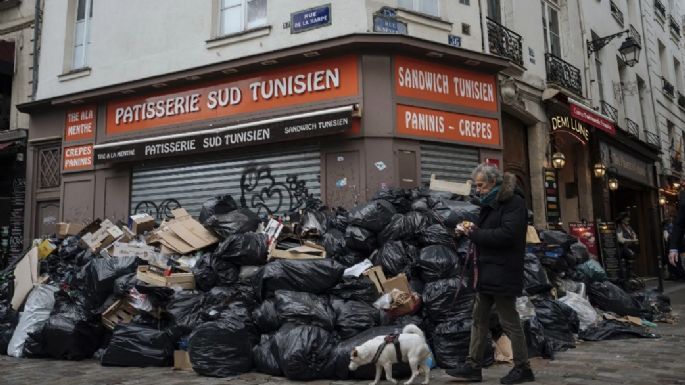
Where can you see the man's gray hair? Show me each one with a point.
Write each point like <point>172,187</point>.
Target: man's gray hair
<point>488,171</point>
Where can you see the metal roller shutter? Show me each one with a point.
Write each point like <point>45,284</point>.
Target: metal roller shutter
<point>272,183</point>
<point>449,162</point>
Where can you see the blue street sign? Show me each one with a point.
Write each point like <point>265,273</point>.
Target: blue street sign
<point>311,18</point>
<point>388,25</point>
<point>454,41</point>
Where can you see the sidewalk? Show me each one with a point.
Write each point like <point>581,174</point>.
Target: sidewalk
<point>633,361</point>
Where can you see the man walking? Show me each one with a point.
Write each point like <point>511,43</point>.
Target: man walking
<point>500,240</point>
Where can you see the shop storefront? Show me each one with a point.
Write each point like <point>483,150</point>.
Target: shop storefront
<point>363,114</point>
<point>12,193</point>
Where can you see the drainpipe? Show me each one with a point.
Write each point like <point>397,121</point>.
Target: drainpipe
<point>37,22</point>
<point>482,31</point>
<point>586,63</point>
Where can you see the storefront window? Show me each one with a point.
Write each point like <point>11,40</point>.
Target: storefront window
<point>240,15</point>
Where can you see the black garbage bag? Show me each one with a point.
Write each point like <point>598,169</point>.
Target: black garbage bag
<point>373,215</point>
<point>124,284</point>
<point>227,273</point>
<point>356,289</point>
<point>304,352</point>
<point>614,330</point>
<point>436,235</point>
<point>238,221</point>
<point>360,239</point>
<point>538,343</point>
<point>395,257</point>
<point>418,220</point>
<point>437,262</point>
<point>350,259</point>
<point>205,277</point>
<point>311,276</point>
<point>353,317</point>
<point>265,316</point>
<point>304,309</point>
<point>185,310</point>
<point>609,297</point>
<point>339,219</point>
<point>335,244</point>
<point>654,301</point>
<point>535,279</point>
<point>559,321</point>
<point>398,197</point>
<point>249,249</point>
<point>100,274</point>
<point>313,223</point>
<point>441,303</point>
<point>453,212</point>
<point>264,359</point>
<point>577,254</point>
<point>157,295</point>
<point>72,332</point>
<point>450,344</point>
<point>555,237</point>
<point>8,322</point>
<point>69,248</point>
<point>341,356</point>
<point>399,228</point>
<point>133,345</point>
<point>223,347</point>
<point>220,204</point>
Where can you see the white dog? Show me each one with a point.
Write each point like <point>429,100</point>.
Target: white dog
<point>413,347</point>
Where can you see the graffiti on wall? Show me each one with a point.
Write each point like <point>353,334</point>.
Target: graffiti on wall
<point>260,191</point>
<point>159,212</point>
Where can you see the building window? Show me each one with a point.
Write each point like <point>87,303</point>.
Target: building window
<point>466,29</point>
<point>465,2</point>
<point>550,27</point>
<point>494,11</point>
<point>429,7</point>
<point>49,167</point>
<point>241,15</point>
<point>82,33</point>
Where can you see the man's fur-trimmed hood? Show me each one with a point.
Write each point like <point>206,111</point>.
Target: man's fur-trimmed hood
<point>507,188</point>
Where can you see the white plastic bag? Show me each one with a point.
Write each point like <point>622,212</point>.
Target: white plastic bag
<point>586,313</point>
<point>36,312</point>
<point>525,308</point>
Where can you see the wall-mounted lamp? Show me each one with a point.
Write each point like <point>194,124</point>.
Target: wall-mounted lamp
<point>599,170</point>
<point>629,50</point>
<point>613,184</point>
<point>676,185</point>
<point>662,200</point>
<point>558,160</point>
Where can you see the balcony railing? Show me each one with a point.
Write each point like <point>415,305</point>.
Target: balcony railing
<point>675,27</point>
<point>616,13</point>
<point>609,110</point>
<point>635,34</point>
<point>660,9</point>
<point>632,128</point>
<point>668,88</point>
<point>563,74</point>
<point>676,165</point>
<point>505,42</point>
<point>652,138</point>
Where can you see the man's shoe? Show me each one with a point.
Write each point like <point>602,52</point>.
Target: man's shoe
<point>518,375</point>
<point>467,372</point>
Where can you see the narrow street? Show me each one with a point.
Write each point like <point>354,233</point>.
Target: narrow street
<point>633,361</point>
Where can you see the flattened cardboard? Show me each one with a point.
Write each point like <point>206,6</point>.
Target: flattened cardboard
<point>453,187</point>
<point>119,249</point>
<point>183,234</point>
<point>182,360</point>
<point>64,230</point>
<point>385,285</point>
<point>25,276</point>
<point>183,280</point>
<point>301,252</point>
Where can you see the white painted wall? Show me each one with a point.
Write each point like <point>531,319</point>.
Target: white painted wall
<point>132,39</point>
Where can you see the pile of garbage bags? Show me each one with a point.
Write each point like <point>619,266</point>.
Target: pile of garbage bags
<point>300,318</point>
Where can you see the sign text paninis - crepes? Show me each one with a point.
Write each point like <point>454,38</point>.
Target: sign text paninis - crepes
<point>322,80</point>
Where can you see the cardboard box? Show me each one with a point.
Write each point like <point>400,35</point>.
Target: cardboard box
<point>182,280</point>
<point>453,187</point>
<point>183,234</point>
<point>64,230</point>
<point>140,223</point>
<point>307,251</point>
<point>102,237</point>
<point>120,249</point>
<point>384,285</point>
<point>182,360</point>
<point>404,303</point>
<point>121,312</point>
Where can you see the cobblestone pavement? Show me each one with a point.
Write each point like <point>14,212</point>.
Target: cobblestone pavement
<point>633,361</point>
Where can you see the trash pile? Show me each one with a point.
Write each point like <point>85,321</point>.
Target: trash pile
<point>230,293</point>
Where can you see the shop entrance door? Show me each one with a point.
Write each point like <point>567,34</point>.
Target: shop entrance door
<point>342,179</point>
<point>637,203</point>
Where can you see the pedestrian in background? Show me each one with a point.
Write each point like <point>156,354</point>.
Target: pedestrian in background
<point>628,243</point>
<point>676,247</point>
<point>500,240</point>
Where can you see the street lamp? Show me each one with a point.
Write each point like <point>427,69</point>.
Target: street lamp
<point>613,184</point>
<point>629,50</point>
<point>599,169</point>
<point>676,185</point>
<point>662,200</point>
<point>558,160</point>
